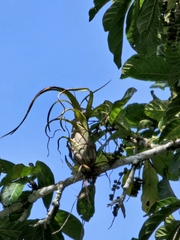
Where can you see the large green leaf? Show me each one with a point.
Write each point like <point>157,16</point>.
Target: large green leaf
<point>148,28</point>
<point>153,221</point>
<point>134,113</point>
<point>162,164</point>
<point>149,187</point>
<point>19,171</point>
<point>72,227</point>
<point>41,233</point>
<point>5,166</point>
<point>171,131</point>
<point>113,21</point>
<point>173,110</point>
<point>98,4</point>
<point>118,105</point>
<point>11,192</point>
<point>148,69</point>
<point>131,29</point>
<point>156,109</point>
<point>170,230</point>
<point>175,164</point>
<point>45,178</point>
<point>85,203</point>
<point>164,189</point>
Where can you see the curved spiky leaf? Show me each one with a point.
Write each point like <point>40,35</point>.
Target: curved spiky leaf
<point>113,22</point>
<point>66,92</point>
<point>148,69</point>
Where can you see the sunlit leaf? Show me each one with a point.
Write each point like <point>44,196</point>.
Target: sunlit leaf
<point>148,69</point>
<point>45,178</point>
<point>19,171</point>
<point>171,131</point>
<point>72,227</point>
<point>153,221</point>
<point>85,204</point>
<point>118,105</point>
<point>5,166</point>
<point>170,230</point>
<point>156,109</point>
<point>149,187</point>
<point>11,192</point>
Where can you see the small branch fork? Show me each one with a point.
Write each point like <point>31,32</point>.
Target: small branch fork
<point>60,186</point>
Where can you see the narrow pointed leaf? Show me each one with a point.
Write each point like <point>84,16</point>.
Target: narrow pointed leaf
<point>118,105</point>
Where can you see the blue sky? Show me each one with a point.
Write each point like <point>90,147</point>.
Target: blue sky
<point>51,43</point>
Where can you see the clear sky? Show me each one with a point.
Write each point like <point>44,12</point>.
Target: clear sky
<point>51,43</point>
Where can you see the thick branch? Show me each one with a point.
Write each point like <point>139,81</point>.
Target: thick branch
<point>139,157</point>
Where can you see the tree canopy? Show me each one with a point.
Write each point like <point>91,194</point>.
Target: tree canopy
<point>144,138</point>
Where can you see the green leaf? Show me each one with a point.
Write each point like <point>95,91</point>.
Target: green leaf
<point>162,164</point>
<point>19,171</point>
<point>169,231</point>
<point>134,113</point>
<point>131,29</point>
<point>152,68</point>
<point>72,228</point>
<point>156,109</point>
<point>171,131</point>
<point>172,110</point>
<point>162,203</point>
<point>45,178</point>
<point>164,189</point>
<point>41,233</point>
<point>175,164</point>
<point>153,221</point>
<point>5,166</point>
<point>148,28</point>
<point>85,203</point>
<point>98,4</point>
<point>113,21</point>
<point>11,192</point>
<point>118,105</point>
<point>149,187</point>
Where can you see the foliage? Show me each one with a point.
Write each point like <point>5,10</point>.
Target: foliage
<point>143,136</point>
